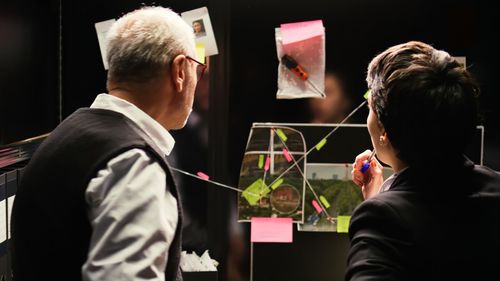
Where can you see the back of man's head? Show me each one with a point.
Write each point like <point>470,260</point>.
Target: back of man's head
<point>144,42</point>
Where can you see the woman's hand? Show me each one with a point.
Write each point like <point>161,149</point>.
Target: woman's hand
<point>370,181</point>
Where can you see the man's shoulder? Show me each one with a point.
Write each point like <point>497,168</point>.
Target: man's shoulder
<point>91,117</point>
<point>97,126</point>
<point>133,155</point>
<point>92,136</point>
<point>142,156</point>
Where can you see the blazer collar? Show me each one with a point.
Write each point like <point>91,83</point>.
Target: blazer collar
<point>413,178</point>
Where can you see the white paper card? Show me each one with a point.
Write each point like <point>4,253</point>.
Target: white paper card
<point>10,203</point>
<point>202,27</point>
<point>3,221</point>
<point>102,29</point>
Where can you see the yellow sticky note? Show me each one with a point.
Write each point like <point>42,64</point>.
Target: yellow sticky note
<point>255,191</point>
<point>343,224</point>
<point>366,94</point>
<point>282,135</point>
<point>321,144</point>
<point>261,161</point>
<point>277,184</point>
<point>324,201</point>
<point>200,52</point>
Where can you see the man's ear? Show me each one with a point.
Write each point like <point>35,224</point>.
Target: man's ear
<point>178,73</point>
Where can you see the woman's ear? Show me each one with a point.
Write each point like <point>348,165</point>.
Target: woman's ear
<point>178,72</point>
<point>384,138</point>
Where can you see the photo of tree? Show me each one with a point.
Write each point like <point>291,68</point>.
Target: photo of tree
<point>336,193</point>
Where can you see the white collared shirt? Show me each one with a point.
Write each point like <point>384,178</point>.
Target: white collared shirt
<point>132,213</point>
<point>388,182</point>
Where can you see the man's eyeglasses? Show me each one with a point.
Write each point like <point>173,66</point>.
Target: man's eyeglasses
<point>200,70</point>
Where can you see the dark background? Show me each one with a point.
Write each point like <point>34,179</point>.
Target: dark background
<point>50,65</point>
<point>29,68</point>
<point>355,32</point>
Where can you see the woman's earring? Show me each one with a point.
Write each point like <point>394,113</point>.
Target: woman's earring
<point>381,141</point>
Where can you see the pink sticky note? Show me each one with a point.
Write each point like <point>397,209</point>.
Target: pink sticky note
<point>203,175</point>
<point>268,162</point>
<point>287,155</point>
<point>317,206</point>
<point>298,31</point>
<point>279,230</point>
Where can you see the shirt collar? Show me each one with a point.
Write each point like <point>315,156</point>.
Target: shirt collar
<point>158,134</point>
<point>390,180</point>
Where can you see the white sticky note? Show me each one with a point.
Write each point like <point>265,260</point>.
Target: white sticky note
<point>102,29</point>
<point>202,27</point>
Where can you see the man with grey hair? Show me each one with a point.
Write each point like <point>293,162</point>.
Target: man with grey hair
<point>98,201</point>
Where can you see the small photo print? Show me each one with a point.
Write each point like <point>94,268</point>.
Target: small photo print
<point>199,20</point>
<point>199,28</point>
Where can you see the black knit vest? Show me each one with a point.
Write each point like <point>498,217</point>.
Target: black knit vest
<point>50,225</point>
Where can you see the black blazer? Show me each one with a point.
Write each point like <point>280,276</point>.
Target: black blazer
<point>430,225</point>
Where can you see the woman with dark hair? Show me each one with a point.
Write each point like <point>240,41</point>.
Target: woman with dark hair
<point>438,216</point>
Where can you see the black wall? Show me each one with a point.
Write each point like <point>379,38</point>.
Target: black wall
<point>355,32</point>
<point>84,76</point>
<point>29,53</point>
<point>243,77</point>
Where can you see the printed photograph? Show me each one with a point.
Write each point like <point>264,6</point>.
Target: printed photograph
<point>199,28</point>
<point>336,194</point>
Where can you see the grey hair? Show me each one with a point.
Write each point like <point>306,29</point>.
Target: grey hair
<point>144,42</point>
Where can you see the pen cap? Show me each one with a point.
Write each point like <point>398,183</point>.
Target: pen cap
<point>365,167</point>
